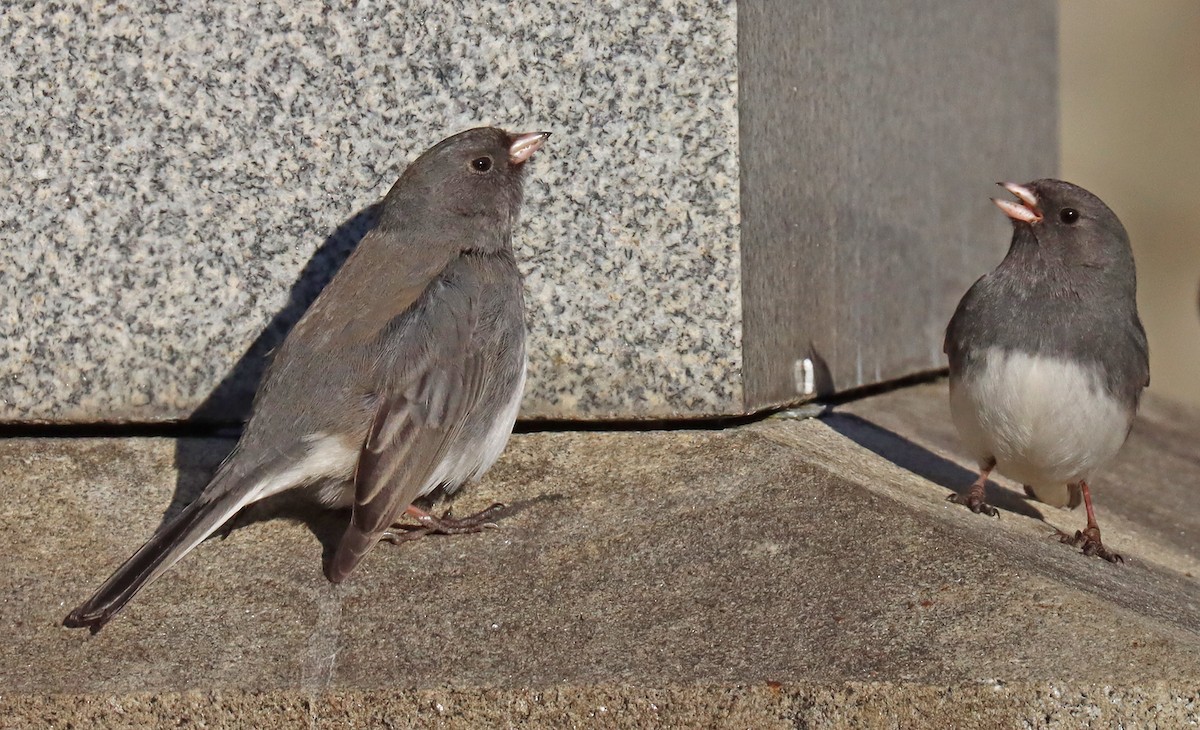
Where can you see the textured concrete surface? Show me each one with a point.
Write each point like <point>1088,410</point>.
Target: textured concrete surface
<point>168,171</point>
<point>780,574</point>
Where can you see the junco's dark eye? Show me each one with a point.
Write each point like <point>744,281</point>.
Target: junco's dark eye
<point>481,164</point>
<point>1068,215</point>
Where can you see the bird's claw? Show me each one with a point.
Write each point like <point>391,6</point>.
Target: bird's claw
<point>428,524</point>
<point>974,502</point>
<point>1089,542</point>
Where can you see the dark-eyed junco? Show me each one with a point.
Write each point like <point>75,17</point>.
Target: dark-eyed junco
<point>1048,358</point>
<point>405,374</point>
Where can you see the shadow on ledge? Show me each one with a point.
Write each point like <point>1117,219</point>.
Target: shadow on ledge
<point>327,525</point>
<point>923,462</point>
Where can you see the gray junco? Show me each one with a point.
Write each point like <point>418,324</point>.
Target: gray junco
<point>405,374</point>
<point>1048,358</point>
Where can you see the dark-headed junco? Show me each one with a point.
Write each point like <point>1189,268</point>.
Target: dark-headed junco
<point>405,374</point>
<point>1048,358</point>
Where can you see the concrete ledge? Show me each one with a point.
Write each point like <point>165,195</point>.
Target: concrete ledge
<point>789,572</point>
<point>766,706</point>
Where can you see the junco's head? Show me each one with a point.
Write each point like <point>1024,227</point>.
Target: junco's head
<point>475,174</point>
<point>1068,223</point>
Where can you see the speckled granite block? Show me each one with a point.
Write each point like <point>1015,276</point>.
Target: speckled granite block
<point>167,174</point>
<point>728,192</point>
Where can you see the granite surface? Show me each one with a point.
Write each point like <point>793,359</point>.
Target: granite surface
<point>785,573</point>
<point>176,180</point>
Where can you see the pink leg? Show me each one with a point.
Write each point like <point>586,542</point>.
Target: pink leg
<point>428,524</point>
<point>1089,538</point>
<point>974,499</point>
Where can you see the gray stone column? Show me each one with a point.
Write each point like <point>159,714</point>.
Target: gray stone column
<point>731,187</point>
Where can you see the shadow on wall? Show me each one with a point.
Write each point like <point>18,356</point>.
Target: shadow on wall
<point>197,459</point>
<point>923,462</point>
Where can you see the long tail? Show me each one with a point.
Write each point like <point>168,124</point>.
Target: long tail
<point>354,545</point>
<point>174,540</point>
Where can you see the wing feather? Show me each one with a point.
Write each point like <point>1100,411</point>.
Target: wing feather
<point>417,420</point>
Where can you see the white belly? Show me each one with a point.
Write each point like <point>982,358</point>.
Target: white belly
<point>1047,422</point>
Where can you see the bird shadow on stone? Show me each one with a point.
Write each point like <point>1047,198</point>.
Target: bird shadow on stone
<point>327,525</point>
<point>196,459</point>
<point>923,462</point>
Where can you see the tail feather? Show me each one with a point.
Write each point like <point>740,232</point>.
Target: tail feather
<point>174,540</point>
<point>354,545</point>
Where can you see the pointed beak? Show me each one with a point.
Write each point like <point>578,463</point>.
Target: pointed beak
<point>1026,210</point>
<point>524,145</point>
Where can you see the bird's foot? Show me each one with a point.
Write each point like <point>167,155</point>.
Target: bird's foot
<point>1089,541</point>
<point>974,501</point>
<point>428,524</point>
